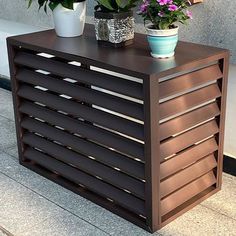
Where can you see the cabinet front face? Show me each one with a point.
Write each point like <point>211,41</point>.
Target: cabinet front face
<point>82,127</point>
<point>146,149</point>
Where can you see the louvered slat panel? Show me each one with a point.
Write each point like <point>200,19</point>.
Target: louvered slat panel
<point>88,95</point>
<point>92,132</point>
<point>188,120</point>
<point>121,197</point>
<point>182,141</point>
<point>181,83</point>
<point>184,194</point>
<point>85,147</point>
<point>187,157</point>
<point>187,175</point>
<point>188,101</point>
<point>110,175</point>
<point>89,114</point>
<point>80,74</point>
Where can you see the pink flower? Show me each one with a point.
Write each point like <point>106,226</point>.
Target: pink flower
<point>144,6</point>
<point>161,14</point>
<point>189,14</point>
<point>163,2</point>
<point>172,7</point>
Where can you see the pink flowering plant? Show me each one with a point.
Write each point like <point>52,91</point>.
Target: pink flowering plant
<point>163,14</point>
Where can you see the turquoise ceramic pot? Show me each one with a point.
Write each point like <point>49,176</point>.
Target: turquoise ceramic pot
<point>162,42</point>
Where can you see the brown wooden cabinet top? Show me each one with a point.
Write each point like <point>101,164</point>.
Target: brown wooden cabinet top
<point>133,60</point>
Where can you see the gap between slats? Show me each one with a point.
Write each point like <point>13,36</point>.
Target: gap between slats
<point>187,175</point>
<point>83,94</point>
<point>178,143</point>
<point>80,74</point>
<point>120,197</point>
<point>188,120</point>
<point>187,157</point>
<point>102,136</point>
<point>187,81</point>
<point>90,166</point>
<point>179,197</point>
<point>189,100</point>
<point>85,147</point>
<point>81,111</point>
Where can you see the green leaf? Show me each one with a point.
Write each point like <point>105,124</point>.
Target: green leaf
<point>29,3</point>
<point>45,8</point>
<point>163,25</point>
<point>53,5</point>
<point>106,4</point>
<point>68,4</point>
<point>122,3</point>
<point>41,3</point>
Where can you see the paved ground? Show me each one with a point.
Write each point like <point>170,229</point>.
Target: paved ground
<point>32,205</point>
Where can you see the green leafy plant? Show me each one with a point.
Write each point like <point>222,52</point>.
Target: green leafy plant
<point>52,4</point>
<point>164,13</point>
<point>115,6</point>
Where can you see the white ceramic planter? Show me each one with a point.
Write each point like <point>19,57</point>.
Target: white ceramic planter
<point>70,23</point>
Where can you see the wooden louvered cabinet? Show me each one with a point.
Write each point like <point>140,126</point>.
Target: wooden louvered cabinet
<point>139,136</point>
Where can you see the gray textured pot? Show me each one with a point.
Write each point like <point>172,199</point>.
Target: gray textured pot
<point>114,29</point>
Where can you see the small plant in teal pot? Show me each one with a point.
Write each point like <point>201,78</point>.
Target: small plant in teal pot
<point>160,18</point>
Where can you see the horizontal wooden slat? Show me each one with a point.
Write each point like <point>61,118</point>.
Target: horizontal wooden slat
<point>179,197</point>
<point>187,81</point>
<point>87,76</point>
<point>188,101</point>
<point>188,120</point>
<point>187,175</point>
<point>189,204</point>
<point>121,197</point>
<point>182,141</point>
<point>89,114</point>
<point>92,167</point>
<point>88,95</point>
<point>187,157</point>
<point>88,194</point>
<point>82,146</point>
<point>89,131</point>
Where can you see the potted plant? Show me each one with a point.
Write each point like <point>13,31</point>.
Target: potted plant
<point>162,31</point>
<point>114,22</point>
<point>68,15</point>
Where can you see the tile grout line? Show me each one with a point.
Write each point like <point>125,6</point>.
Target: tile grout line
<point>5,231</point>
<point>218,212</point>
<point>54,203</point>
<point>7,118</point>
<point>14,158</point>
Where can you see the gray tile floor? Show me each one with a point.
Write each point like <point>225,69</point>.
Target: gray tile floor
<point>32,205</point>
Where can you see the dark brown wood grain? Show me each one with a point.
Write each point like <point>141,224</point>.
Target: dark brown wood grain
<point>190,100</point>
<point>188,138</point>
<point>189,80</point>
<point>188,157</point>
<point>188,120</point>
<point>134,60</point>
<point>193,172</point>
<point>171,202</point>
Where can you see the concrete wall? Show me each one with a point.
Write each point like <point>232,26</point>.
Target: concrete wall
<point>213,24</point>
